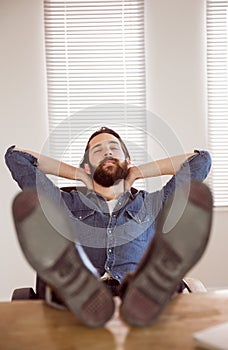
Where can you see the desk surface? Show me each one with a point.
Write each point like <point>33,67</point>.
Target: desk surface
<point>26,325</point>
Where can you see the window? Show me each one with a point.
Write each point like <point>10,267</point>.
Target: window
<point>217,72</point>
<point>95,73</point>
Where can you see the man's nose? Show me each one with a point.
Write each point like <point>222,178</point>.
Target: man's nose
<point>107,152</point>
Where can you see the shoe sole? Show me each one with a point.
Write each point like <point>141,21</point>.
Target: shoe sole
<point>57,260</point>
<point>170,256</point>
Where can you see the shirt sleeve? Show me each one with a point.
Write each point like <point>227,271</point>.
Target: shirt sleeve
<point>24,170</point>
<point>23,167</point>
<point>195,168</point>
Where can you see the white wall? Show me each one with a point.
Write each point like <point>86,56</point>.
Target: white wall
<point>175,47</point>
<point>23,119</point>
<point>176,92</point>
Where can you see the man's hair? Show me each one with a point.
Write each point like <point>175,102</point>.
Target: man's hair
<point>103,130</point>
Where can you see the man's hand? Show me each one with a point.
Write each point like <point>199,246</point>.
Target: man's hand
<point>81,175</point>
<point>133,174</point>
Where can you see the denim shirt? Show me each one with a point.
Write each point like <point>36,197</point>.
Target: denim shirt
<point>113,242</point>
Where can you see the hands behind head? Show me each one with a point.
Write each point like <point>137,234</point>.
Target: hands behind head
<point>133,174</point>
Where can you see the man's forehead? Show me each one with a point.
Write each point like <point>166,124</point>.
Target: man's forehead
<point>103,138</point>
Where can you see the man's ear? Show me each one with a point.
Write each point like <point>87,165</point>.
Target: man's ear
<point>87,168</point>
<point>128,162</point>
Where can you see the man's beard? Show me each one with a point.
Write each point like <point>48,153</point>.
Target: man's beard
<point>108,176</point>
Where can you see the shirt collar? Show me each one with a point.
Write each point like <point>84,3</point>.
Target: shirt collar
<point>130,193</point>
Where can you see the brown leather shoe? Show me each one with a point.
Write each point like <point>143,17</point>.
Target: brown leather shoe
<point>57,261</point>
<point>170,255</point>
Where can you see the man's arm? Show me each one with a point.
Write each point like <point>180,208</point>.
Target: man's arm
<point>166,166</point>
<point>51,166</point>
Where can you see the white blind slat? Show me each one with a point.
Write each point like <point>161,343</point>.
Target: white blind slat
<point>217,87</point>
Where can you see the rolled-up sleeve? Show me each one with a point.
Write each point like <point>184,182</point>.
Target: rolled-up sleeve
<point>195,168</point>
<point>23,167</point>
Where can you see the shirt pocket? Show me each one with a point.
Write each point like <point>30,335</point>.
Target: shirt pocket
<point>84,215</point>
<point>89,232</point>
<point>137,224</point>
<point>83,222</point>
<point>139,217</point>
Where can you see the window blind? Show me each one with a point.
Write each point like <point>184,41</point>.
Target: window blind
<point>217,88</point>
<point>95,74</point>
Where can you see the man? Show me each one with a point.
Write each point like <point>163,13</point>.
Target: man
<point>115,225</point>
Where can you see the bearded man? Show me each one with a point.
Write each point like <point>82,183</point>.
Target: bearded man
<point>110,241</point>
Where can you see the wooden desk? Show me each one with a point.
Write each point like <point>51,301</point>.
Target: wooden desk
<point>32,325</point>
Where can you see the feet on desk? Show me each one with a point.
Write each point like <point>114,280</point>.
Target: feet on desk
<point>169,256</point>
<point>182,233</point>
<point>58,262</point>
